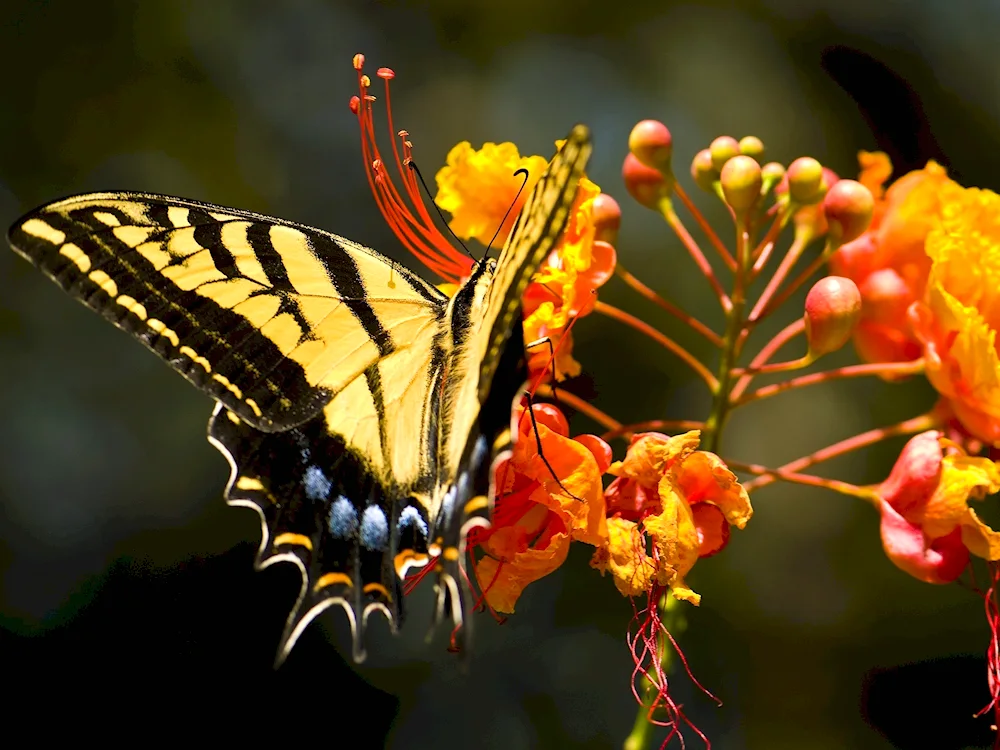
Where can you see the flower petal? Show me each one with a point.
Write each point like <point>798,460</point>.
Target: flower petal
<point>915,475</point>
<point>569,480</point>
<point>503,581</point>
<point>940,561</point>
<point>478,187</point>
<point>704,477</point>
<point>626,557</point>
<point>713,529</point>
<point>651,454</point>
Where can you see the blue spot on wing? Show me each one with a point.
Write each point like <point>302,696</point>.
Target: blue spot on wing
<point>411,517</point>
<point>374,529</point>
<point>343,518</point>
<point>316,484</point>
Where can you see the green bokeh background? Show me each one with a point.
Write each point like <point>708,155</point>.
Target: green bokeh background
<point>104,470</point>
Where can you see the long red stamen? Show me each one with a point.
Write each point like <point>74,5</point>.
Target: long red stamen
<point>993,651</point>
<point>414,226</point>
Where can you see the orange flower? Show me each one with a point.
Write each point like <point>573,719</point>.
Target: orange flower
<point>928,528</point>
<point>478,187</point>
<point>888,262</point>
<point>542,505</point>
<point>958,319</point>
<point>670,505</point>
<point>564,288</point>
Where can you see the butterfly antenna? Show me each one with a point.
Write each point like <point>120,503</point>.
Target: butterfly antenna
<point>524,174</point>
<point>413,165</point>
<point>541,455</point>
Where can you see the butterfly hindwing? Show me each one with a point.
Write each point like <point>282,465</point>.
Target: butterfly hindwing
<point>322,510</point>
<point>269,317</point>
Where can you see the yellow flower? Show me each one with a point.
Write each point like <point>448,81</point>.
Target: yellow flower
<point>670,505</point>
<point>957,320</point>
<point>477,188</point>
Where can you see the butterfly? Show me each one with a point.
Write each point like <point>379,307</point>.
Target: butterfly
<point>361,410</point>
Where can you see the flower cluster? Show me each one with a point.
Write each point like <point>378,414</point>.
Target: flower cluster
<point>914,282</point>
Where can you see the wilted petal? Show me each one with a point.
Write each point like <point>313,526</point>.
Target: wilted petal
<point>626,558</point>
<point>651,454</point>
<point>962,478</point>
<point>675,537</point>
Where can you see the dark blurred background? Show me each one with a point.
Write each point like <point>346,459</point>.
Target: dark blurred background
<point>126,588</point>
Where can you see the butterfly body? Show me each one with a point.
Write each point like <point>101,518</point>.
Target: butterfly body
<point>359,407</point>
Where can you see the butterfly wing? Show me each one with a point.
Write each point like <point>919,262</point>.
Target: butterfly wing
<point>270,318</point>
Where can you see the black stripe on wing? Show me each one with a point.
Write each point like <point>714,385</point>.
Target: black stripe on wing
<point>79,243</point>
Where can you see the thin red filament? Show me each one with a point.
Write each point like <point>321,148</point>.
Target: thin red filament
<point>414,226</point>
<point>993,650</point>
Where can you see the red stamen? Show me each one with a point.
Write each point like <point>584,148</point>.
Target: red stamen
<point>414,226</point>
<point>993,651</point>
<point>647,646</point>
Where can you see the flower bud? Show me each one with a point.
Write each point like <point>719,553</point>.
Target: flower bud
<point>702,171</point>
<point>741,183</point>
<point>722,149</point>
<point>848,206</point>
<point>607,217</point>
<point>771,174</point>
<point>603,260</point>
<point>550,416</point>
<point>916,473</point>
<point>833,307</point>
<point>652,144</point>
<point>647,185</point>
<point>600,449</point>
<point>805,180</point>
<point>751,145</point>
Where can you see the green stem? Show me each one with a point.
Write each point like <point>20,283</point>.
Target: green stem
<point>731,342</point>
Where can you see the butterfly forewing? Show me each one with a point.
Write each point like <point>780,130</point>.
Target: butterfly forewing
<point>268,317</point>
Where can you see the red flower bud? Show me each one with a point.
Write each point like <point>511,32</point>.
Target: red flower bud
<point>607,218</point>
<point>833,307</point>
<point>600,449</point>
<point>848,206</point>
<point>751,145</point>
<point>647,185</point>
<point>652,144</point>
<point>805,180</point>
<point>550,416</point>
<point>722,149</point>
<point>702,171</point>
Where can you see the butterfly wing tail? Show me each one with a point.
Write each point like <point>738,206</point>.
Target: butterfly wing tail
<point>321,511</point>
